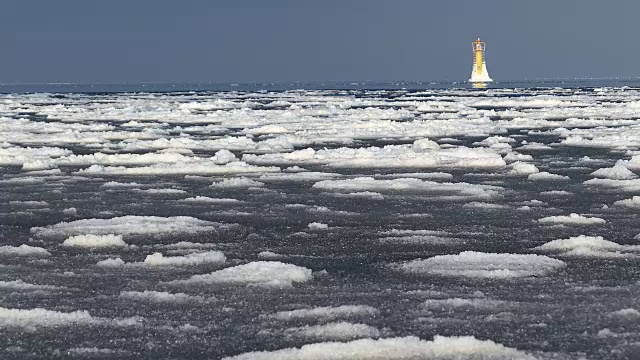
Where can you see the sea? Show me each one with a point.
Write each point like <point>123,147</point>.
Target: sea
<point>320,220</point>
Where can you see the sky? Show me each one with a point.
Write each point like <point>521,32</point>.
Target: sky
<point>87,41</point>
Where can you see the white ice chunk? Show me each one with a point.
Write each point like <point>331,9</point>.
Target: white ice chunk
<point>453,190</point>
<point>485,206</point>
<point>545,176</point>
<point>484,265</point>
<point>318,226</point>
<point>632,185</point>
<point>208,200</point>
<point>440,348</point>
<point>522,168</point>
<point>329,313</point>
<point>161,297</point>
<point>534,146</point>
<point>572,219</point>
<point>20,285</point>
<point>203,167</point>
<point>617,172</point>
<point>264,273</point>
<point>23,250</point>
<point>626,314</point>
<point>188,245</point>
<point>457,303</point>
<point>241,182</point>
<point>634,202</point>
<point>586,246</point>
<point>209,257</point>
<point>270,255</point>
<point>299,176</point>
<point>127,225</point>
<point>514,157</point>
<point>95,241</point>
<point>556,193</point>
<point>391,156</point>
<point>34,319</point>
<point>337,331</point>
<point>111,262</point>
<point>360,195</point>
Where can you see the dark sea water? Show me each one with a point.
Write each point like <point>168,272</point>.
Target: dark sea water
<point>587,308</point>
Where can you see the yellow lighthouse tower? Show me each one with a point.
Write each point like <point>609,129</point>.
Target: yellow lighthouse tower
<point>479,72</point>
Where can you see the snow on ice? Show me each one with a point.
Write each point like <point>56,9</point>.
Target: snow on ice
<point>261,273</point>
<point>394,348</point>
<point>484,265</point>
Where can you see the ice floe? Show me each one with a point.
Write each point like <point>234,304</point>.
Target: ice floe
<point>317,226</point>
<point>523,168</point>
<point>34,319</point>
<point>240,182</point>
<point>545,176</point>
<point>19,285</point>
<point>465,347</point>
<point>444,190</point>
<point>613,185</point>
<point>626,314</point>
<point>336,331</point>
<point>209,257</point>
<point>421,154</point>
<point>617,172</point>
<point>95,241</point>
<point>634,202</point>
<point>484,265</point>
<point>261,273</point>
<point>460,303</point>
<point>208,200</point>
<point>23,250</point>
<point>127,225</point>
<point>202,167</point>
<point>111,262</point>
<point>586,246</point>
<point>572,219</point>
<point>161,297</point>
<point>328,313</point>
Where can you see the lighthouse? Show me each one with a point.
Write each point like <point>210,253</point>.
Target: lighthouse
<point>479,72</point>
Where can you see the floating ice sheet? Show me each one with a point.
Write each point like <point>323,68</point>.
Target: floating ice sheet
<point>586,246</point>
<point>484,265</point>
<point>328,313</point>
<point>545,176</point>
<point>34,319</point>
<point>95,241</point>
<point>23,250</point>
<point>417,155</point>
<point>208,257</point>
<point>262,273</point>
<point>617,172</point>
<point>454,190</point>
<point>633,203</point>
<point>127,225</point>
<point>572,219</point>
<point>336,331</point>
<point>19,285</point>
<point>203,167</point>
<point>240,182</point>
<point>440,348</point>
<point>161,297</point>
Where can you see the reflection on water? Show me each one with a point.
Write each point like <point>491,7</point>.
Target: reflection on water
<point>479,85</point>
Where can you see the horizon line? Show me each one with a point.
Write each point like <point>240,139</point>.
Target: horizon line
<point>351,82</point>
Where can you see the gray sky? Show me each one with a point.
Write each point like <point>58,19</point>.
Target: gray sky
<point>284,40</point>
